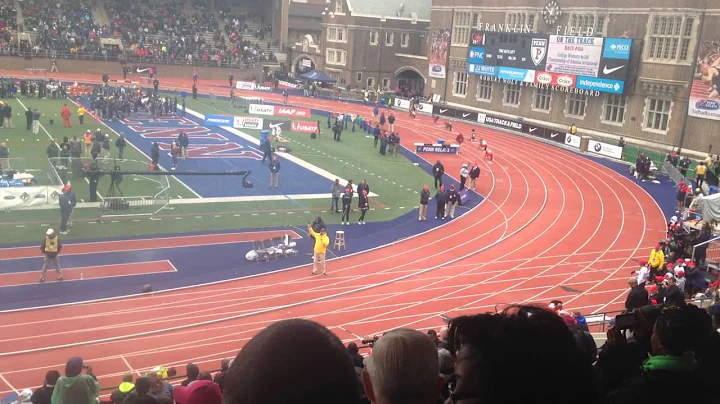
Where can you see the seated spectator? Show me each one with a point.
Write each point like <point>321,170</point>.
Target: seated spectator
<point>289,362</point>
<point>447,372</point>
<point>220,377</point>
<point>160,389</point>
<point>142,390</point>
<point>677,341</point>
<point>24,397</point>
<point>193,371</point>
<point>442,343</point>
<point>354,352</point>
<point>44,393</point>
<point>432,334</point>
<point>403,368</point>
<point>76,387</point>
<point>127,385</point>
<point>205,375</point>
<point>522,355</point>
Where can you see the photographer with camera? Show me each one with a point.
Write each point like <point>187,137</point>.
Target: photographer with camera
<point>93,175</point>
<point>76,387</point>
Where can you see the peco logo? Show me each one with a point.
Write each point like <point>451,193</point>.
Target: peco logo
<point>565,81</point>
<point>544,78</point>
<point>304,127</point>
<point>620,47</point>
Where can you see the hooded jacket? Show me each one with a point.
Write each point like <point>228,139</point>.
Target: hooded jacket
<point>122,392</point>
<point>80,389</point>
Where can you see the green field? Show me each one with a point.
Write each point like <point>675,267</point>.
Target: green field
<point>395,179</point>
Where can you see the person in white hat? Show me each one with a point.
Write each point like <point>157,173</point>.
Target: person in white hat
<point>50,248</point>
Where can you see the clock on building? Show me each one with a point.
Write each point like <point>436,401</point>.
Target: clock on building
<point>551,12</point>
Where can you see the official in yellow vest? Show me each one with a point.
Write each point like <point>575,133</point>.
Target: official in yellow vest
<point>81,114</point>
<point>321,243</point>
<point>50,248</point>
<point>656,261</point>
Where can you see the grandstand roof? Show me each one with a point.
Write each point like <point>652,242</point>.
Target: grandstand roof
<point>306,10</point>
<point>418,9</point>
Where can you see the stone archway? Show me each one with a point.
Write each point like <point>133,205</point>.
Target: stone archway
<point>410,78</point>
<point>300,65</point>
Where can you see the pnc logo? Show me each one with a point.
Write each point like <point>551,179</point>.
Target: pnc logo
<point>544,78</point>
<point>565,81</point>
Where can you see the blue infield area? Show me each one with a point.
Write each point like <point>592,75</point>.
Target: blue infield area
<point>218,149</point>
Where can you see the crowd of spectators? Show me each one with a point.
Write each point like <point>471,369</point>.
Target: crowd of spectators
<point>8,16</point>
<point>521,355</point>
<point>246,44</point>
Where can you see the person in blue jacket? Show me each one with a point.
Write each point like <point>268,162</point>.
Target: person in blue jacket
<point>67,203</point>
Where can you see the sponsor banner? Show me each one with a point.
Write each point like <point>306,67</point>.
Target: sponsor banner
<point>576,55</point>
<point>287,84</point>
<point>443,111</point>
<point>467,116</point>
<point>476,56</point>
<point>604,149</point>
<point>518,50</point>
<point>511,73</point>
<point>556,136</point>
<point>261,109</point>
<point>598,84</point>
<point>247,122</point>
<point>15,197</point>
<point>503,123</point>
<point>554,79</point>
<point>439,47</point>
<point>425,108</point>
<point>401,103</point>
<point>436,148</point>
<point>292,112</point>
<point>264,88</point>
<point>613,69</point>
<point>276,127</point>
<point>304,127</point>
<point>572,140</point>
<point>149,70</point>
<point>534,130</point>
<point>704,99</point>
<point>482,70</point>
<point>244,85</point>
<point>617,48</point>
<point>218,120</point>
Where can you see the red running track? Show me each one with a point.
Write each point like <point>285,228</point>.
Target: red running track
<point>553,225</point>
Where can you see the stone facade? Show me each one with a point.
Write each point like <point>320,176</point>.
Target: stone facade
<point>653,109</point>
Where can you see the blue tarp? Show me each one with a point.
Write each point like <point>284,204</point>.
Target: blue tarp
<point>316,75</point>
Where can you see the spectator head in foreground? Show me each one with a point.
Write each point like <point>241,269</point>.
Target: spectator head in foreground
<point>403,368</point>
<point>292,361</point>
<point>522,355</point>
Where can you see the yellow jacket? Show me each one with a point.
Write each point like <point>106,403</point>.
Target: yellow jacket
<point>81,111</point>
<point>657,258</point>
<point>700,170</point>
<point>321,241</point>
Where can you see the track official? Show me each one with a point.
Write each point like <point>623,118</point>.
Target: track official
<point>321,243</point>
<point>51,247</point>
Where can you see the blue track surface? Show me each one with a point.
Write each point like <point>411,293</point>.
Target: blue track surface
<point>216,149</point>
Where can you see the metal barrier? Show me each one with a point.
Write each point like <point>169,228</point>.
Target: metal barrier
<point>675,174</point>
<point>712,253</point>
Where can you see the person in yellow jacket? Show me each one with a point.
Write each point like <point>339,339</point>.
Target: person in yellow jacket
<point>81,114</point>
<point>321,243</point>
<point>656,261</point>
<point>50,248</point>
<point>700,171</point>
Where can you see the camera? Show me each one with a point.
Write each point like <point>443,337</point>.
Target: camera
<point>370,341</point>
<point>629,320</point>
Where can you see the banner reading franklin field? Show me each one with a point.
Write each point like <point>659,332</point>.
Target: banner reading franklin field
<point>439,48</point>
<point>704,97</point>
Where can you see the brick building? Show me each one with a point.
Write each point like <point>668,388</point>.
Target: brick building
<point>370,43</point>
<point>653,108</point>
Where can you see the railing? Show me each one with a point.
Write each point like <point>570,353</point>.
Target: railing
<point>131,57</point>
<point>712,252</point>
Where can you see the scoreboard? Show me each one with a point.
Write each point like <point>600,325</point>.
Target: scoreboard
<point>588,63</point>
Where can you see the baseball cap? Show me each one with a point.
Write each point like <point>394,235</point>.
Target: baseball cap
<point>49,232</point>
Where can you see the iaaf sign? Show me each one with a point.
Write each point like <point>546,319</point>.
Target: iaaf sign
<point>259,109</point>
<point>292,112</point>
<point>304,127</point>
